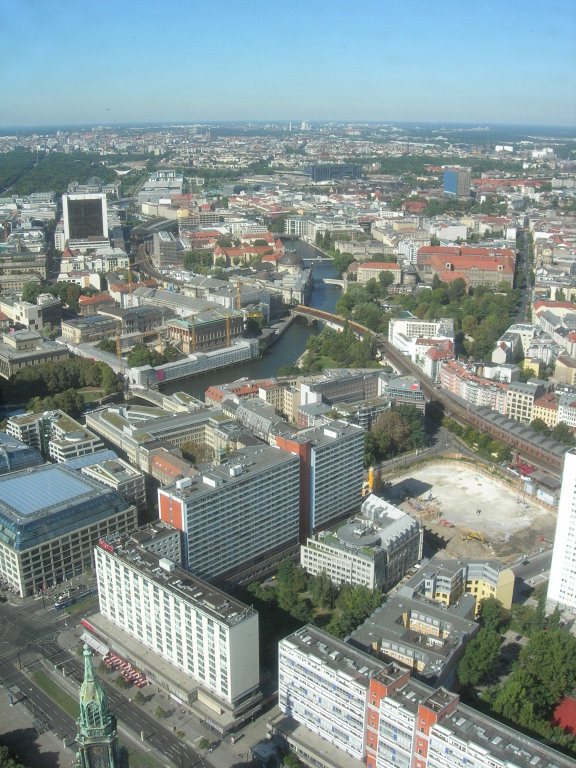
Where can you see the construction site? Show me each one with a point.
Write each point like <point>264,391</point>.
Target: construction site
<point>467,512</point>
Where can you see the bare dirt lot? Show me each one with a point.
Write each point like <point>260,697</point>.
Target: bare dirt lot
<point>460,505</point>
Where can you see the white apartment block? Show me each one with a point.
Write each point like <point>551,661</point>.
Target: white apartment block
<point>567,410</point>
<point>373,713</point>
<point>336,466</point>
<point>235,513</point>
<point>401,330</point>
<point>54,434</point>
<point>324,684</point>
<point>118,474</point>
<point>562,584</point>
<point>207,635</point>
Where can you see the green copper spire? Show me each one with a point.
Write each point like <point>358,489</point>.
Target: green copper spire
<point>97,739</point>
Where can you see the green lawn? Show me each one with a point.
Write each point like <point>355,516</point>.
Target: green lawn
<point>141,760</point>
<point>91,393</point>
<point>52,689</point>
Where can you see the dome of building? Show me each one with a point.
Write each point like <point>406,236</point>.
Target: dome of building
<point>291,260</point>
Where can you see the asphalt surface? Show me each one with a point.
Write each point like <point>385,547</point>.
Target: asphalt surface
<point>29,642</point>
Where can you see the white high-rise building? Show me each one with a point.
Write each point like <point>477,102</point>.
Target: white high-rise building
<point>210,639</point>
<point>85,219</point>
<point>562,584</point>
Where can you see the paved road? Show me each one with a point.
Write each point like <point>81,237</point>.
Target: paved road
<point>28,637</point>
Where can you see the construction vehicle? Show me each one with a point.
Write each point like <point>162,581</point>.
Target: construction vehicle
<point>472,535</point>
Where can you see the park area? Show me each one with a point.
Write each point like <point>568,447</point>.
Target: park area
<point>470,513</point>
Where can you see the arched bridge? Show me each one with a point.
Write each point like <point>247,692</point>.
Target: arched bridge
<point>332,321</point>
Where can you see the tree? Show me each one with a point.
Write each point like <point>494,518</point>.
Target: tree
<point>492,614</point>
<point>142,355</point>
<point>203,743</point>
<point>539,425</point>
<point>457,289</point>
<point>139,697</point>
<point>369,315</point>
<point>562,433</point>
<point>342,261</point>
<point>171,353</point>
<point>31,291</point>
<point>288,370</point>
<point>160,713</point>
<point>322,591</point>
<point>478,660</point>
<point>386,278</point>
<point>253,327</point>
<point>357,603</point>
<point>9,759</point>
<point>291,761</point>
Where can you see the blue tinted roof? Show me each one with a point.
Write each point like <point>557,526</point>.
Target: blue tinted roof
<point>30,492</point>
<point>19,456</point>
<point>49,501</point>
<point>90,459</point>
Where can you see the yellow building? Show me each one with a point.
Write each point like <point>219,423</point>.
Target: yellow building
<point>565,370</point>
<point>546,408</point>
<point>445,581</point>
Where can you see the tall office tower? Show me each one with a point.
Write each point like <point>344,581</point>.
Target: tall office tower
<point>85,218</point>
<point>332,460</point>
<point>457,182</point>
<point>236,513</point>
<point>562,584</point>
<point>97,738</point>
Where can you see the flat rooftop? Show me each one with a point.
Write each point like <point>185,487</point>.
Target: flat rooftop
<point>33,494</point>
<point>181,583</point>
<point>339,656</point>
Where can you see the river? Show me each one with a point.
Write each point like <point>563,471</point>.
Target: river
<point>288,349</point>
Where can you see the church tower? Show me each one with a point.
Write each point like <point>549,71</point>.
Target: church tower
<point>97,739</point>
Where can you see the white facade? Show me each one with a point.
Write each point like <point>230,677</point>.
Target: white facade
<point>91,223</point>
<point>567,410</point>
<point>325,687</point>
<point>198,629</point>
<point>375,550</point>
<point>336,464</point>
<point>562,584</point>
<point>401,330</point>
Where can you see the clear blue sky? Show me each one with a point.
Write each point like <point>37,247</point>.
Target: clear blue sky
<point>98,61</point>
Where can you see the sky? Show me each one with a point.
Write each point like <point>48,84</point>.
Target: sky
<point>94,62</point>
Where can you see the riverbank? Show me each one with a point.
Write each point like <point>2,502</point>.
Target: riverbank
<point>272,333</point>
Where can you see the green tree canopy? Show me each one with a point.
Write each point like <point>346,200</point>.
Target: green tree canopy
<point>31,291</point>
<point>492,614</point>
<point>562,433</point>
<point>477,664</point>
<point>539,425</point>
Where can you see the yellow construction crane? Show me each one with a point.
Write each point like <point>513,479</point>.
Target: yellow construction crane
<point>238,297</point>
<point>119,349</point>
<point>227,330</point>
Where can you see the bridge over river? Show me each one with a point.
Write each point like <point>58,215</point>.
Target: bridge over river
<point>332,321</point>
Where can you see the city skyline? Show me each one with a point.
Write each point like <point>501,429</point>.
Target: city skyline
<point>135,62</point>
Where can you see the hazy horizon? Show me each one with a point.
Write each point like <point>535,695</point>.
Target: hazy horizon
<point>134,62</point>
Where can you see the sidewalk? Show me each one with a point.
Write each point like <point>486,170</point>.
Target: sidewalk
<point>19,733</point>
